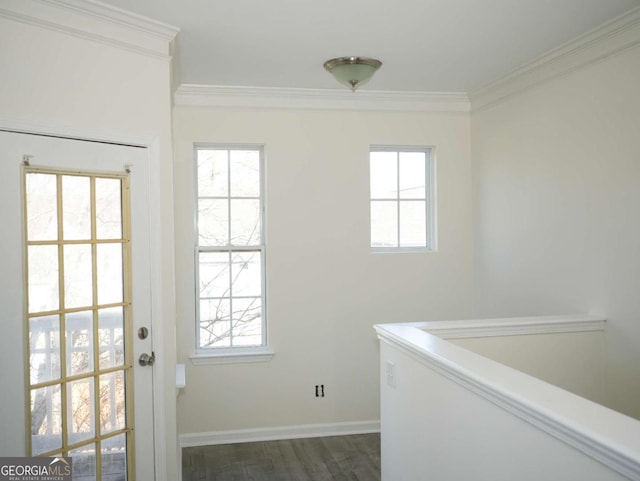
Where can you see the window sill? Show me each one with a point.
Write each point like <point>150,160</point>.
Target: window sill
<point>401,250</point>
<point>229,357</point>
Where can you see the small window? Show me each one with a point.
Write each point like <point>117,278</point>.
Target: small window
<point>230,250</point>
<point>402,211</point>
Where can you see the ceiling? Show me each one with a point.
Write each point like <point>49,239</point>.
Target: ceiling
<point>425,45</point>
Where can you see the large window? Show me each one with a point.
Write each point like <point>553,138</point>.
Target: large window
<point>230,248</point>
<point>402,210</point>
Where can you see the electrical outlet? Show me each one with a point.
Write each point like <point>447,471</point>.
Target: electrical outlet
<point>319,390</point>
<point>391,374</point>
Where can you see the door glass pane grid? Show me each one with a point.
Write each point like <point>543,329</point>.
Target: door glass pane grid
<point>80,382</point>
<point>230,252</point>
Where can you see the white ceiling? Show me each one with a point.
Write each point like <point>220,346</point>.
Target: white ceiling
<point>425,45</point>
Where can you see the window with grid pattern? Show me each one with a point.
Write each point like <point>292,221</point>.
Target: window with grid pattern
<point>230,251</point>
<point>402,207</point>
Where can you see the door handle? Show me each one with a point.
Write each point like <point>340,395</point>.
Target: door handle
<point>146,359</point>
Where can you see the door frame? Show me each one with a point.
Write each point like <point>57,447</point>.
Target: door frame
<point>157,321</point>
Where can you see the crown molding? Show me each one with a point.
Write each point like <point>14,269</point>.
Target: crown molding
<point>320,99</point>
<point>95,21</point>
<point>608,39</point>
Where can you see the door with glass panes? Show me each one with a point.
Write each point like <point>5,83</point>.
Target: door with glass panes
<point>76,222</point>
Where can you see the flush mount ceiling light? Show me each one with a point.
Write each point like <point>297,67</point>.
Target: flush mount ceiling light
<point>352,71</point>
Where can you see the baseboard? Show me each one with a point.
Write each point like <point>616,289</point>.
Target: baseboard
<point>276,433</point>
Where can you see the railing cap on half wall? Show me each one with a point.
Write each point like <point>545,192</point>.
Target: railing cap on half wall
<point>605,435</point>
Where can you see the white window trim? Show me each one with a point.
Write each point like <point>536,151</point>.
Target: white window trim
<point>430,200</point>
<point>232,356</point>
<point>402,250</point>
<point>240,354</point>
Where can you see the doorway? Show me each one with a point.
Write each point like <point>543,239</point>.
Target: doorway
<point>76,244</point>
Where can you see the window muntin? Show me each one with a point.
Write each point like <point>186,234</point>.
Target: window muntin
<point>401,198</point>
<point>230,251</point>
<point>78,319</point>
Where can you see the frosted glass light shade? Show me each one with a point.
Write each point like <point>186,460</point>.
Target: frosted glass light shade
<point>352,71</point>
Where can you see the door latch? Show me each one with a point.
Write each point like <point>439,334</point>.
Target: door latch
<point>143,333</point>
<point>146,359</point>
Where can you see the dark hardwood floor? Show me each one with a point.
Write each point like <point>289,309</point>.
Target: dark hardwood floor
<point>335,458</point>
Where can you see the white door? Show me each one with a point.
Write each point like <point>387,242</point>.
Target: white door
<point>74,295</point>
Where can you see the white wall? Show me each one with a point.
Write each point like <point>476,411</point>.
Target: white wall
<point>557,207</point>
<point>572,361</point>
<point>66,81</point>
<point>325,290</point>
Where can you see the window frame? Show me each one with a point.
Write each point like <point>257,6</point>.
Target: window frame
<point>231,354</point>
<point>429,199</point>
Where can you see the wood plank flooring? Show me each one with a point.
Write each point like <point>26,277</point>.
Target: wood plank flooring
<point>335,458</point>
